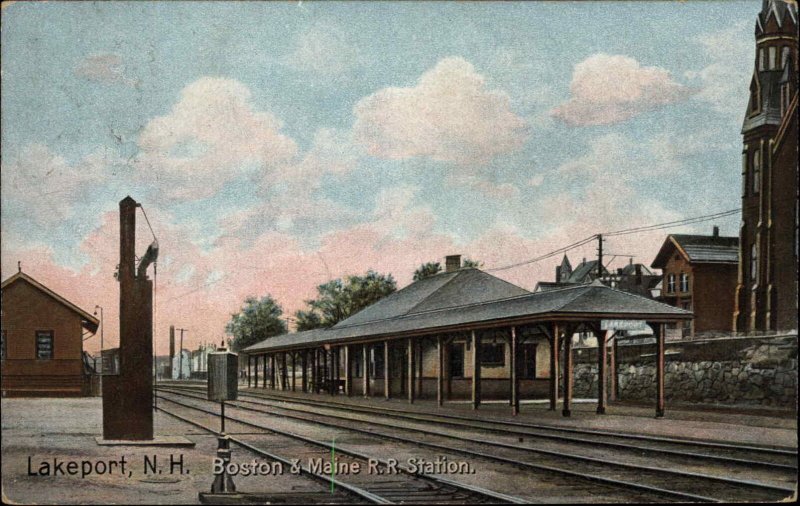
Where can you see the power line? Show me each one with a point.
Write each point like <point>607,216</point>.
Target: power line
<point>634,230</point>
<point>670,224</point>
<point>546,255</point>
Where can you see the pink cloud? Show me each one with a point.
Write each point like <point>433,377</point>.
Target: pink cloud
<point>212,134</point>
<point>607,89</point>
<point>449,115</point>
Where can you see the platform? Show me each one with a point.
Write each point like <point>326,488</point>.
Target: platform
<point>172,441</point>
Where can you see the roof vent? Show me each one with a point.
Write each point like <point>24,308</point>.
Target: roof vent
<point>452,263</point>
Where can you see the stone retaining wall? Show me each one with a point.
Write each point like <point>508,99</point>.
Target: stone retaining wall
<point>760,371</point>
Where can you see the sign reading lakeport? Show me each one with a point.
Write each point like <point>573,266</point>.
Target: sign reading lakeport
<point>440,465</point>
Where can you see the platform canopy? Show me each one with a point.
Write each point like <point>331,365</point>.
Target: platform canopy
<point>470,299</point>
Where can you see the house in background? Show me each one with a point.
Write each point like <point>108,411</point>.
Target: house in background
<point>584,273</point>
<point>699,275</point>
<point>42,341</point>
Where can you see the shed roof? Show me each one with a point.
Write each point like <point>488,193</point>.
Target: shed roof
<point>88,321</point>
<point>582,302</point>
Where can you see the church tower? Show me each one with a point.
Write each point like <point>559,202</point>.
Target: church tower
<point>766,294</point>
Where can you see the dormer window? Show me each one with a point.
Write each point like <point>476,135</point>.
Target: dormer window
<point>755,100</point>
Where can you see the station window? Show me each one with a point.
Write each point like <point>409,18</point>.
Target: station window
<point>684,282</point>
<point>456,355</point>
<point>44,344</point>
<point>493,354</point>
<point>670,283</point>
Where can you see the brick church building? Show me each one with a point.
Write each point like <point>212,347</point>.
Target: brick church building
<point>766,293</point>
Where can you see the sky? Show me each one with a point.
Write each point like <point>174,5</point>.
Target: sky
<point>275,146</point>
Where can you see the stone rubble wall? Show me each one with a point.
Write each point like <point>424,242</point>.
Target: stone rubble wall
<point>755,371</point>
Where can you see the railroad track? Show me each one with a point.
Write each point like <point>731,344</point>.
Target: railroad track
<point>770,458</point>
<point>399,486</point>
<point>663,483</point>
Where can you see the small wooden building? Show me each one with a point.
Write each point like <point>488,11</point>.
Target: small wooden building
<point>42,341</point>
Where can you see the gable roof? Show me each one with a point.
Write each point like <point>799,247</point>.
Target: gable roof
<point>449,289</point>
<point>90,322</point>
<point>702,249</point>
<point>592,301</point>
<point>584,272</point>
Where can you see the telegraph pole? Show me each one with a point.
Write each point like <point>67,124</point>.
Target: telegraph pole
<point>600,256</point>
<point>180,354</point>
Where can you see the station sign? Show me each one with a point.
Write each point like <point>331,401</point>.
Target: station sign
<point>623,325</point>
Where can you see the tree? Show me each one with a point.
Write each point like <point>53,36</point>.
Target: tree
<point>427,270</point>
<point>337,299</point>
<point>259,319</point>
<point>468,262</point>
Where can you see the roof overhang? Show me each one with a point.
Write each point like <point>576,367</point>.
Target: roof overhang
<point>429,324</point>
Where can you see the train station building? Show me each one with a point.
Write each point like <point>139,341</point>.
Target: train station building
<point>464,334</point>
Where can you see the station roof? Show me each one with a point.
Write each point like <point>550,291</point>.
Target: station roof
<point>576,303</point>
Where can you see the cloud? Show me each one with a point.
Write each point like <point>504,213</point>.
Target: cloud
<point>107,68</point>
<point>448,116</point>
<point>323,49</point>
<point>607,89</point>
<point>212,135</point>
<point>724,81</point>
<point>45,189</point>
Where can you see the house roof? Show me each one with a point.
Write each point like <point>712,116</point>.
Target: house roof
<point>89,321</point>
<point>583,271</point>
<point>588,301</point>
<point>449,289</point>
<point>699,249</point>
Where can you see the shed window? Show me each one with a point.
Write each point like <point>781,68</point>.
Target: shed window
<point>684,282</point>
<point>44,344</point>
<point>493,354</point>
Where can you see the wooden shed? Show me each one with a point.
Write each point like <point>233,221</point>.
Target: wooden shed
<point>42,341</point>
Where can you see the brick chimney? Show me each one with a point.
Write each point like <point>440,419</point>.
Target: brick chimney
<point>452,263</point>
<point>716,231</point>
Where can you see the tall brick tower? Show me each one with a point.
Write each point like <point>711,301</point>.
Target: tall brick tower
<point>766,295</point>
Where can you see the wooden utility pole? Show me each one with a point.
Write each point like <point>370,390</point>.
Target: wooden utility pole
<point>599,256</point>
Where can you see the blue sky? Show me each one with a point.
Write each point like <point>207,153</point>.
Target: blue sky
<point>412,125</point>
